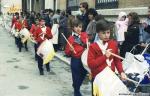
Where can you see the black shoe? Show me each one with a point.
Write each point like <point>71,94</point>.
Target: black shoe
<point>26,49</point>
<point>48,70</point>
<point>41,73</point>
<point>19,50</point>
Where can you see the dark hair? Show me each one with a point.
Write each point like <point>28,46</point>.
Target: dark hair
<point>68,11</point>
<point>134,17</point>
<point>99,17</point>
<point>103,25</point>
<point>84,5</point>
<point>92,11</point>
<point>58,11</point>
<point>76,23</point>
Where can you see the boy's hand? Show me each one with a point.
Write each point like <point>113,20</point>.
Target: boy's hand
<point>71,48</point>
<point>123,76</point>
<point>108,54</point>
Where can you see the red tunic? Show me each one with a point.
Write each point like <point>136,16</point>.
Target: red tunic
<point>38,34</point>
<point>77,47</point>
<point>25,23</point>
<point>18,25</point>
<point>13,21</point>
<point>33,29</point>
<point>97,61</point>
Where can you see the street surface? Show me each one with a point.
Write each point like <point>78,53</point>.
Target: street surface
<point>19,75</point>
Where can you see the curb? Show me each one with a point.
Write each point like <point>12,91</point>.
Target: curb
<point>64,59</point>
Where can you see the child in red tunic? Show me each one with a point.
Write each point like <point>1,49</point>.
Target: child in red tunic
<point>99,52</point>
<point>42,33</point>
<point>78,42</point>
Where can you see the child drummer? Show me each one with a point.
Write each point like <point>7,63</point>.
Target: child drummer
<point>75,48</point>
<point>99,56</point>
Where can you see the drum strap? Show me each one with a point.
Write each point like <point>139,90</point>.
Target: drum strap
<point>43,31</point>
<point>103,47</point>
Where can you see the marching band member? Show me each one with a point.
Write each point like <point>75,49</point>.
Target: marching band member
<point>43,32</point>
<point>78,43</point>
<point>18,27</point>
<point>14,19</point>
<point>99,55</point>
<point>25,25</point>
<point>33,29</point>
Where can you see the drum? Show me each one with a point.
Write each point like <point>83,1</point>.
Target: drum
<point>24,35</point>
<point>46,51</point>
<point>84,60</point>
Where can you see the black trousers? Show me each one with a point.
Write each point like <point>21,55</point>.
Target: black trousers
<point>40,63</point>
<point>78,74</point>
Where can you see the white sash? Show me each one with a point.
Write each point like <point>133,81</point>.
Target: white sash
<point>43,32</point>
<point>103,48</point>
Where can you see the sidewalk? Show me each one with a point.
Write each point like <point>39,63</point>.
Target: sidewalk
<point>61,55</point>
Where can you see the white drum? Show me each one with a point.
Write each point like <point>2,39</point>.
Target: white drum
<point>84,60</point>
<point>24,35</point>
<point>46,51</point>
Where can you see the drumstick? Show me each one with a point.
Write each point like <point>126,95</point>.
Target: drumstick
<point>68,43</point>
<point>114,54</point>
<point>132,80</point>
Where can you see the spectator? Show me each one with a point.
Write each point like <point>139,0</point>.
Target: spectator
<point>91,28</point>
<point>121,27</point>
<point>132,34</point>
<point>84,15</point>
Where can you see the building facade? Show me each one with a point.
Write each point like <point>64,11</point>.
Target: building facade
<point>11,6</point>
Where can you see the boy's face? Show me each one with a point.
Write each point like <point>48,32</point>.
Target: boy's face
<point>42,22</point>
<point>81,8</point>
<point>77,29</point>
<point>104,35</point>
<point>90,16</point>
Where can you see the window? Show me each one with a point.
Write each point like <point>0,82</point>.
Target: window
<point>106,4</point>
<point>73,5</point>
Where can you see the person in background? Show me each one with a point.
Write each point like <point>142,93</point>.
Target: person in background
<point>132,34</point>
<point>70,20</point>
<point>84,16</point>
<point>121,26</point>
<point>91,28</point>
<point>62,29</point>
<point>78,44</point>
<point>147,23</point>
<point>43,32</point>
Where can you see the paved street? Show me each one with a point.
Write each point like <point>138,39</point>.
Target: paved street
<point>19,74</point>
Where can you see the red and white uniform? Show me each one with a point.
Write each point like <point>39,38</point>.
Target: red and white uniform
<point>43,33</point>
<point>13,21</point>
<point>97,60</point>
<point>33,29</point>
<point>25,23</point>
<point>18,25</point>
<point>77,47</point>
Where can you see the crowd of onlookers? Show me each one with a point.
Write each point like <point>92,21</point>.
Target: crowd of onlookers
<point>128,31</point>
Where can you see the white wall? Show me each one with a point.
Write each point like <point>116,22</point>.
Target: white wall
<point>49,4</point>
<point>6,4</point>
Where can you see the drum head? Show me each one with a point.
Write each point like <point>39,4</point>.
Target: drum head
<point>84,60</point>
